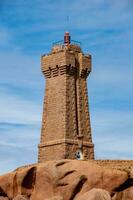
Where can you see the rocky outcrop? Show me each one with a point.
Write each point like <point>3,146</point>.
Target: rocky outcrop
<point>95,194</point>
<point>124,195</point>
<point>66,180</point>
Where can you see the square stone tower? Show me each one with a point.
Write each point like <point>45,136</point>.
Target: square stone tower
<point>66,130</point>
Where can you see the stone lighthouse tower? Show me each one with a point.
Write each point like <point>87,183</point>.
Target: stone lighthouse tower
<point>66,130</point>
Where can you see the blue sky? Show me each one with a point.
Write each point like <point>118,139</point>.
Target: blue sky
<point>27,30</point>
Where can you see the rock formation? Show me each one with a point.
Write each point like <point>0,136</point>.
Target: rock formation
<point>66,180</point>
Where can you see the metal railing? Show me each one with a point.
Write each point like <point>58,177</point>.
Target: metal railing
<point>61,42</point>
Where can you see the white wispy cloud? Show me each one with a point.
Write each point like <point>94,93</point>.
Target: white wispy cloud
<point>15,109</point>
<point>112,133</point>
<point>20,121</point>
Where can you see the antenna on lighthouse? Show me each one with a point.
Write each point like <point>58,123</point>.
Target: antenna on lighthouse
<point>67,22</point>
<point>67,37</point>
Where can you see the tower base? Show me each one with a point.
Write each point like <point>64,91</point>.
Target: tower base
<point>64,149</point>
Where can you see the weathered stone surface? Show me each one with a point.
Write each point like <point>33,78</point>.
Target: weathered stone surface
<point>20,197</point>
<point>66,180</point>
<point>4,198</point>
<point>7,185</point>
<point>95,194</point>
<point>124,195</point>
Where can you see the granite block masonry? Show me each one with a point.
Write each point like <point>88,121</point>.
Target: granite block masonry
<point>66,129</point>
